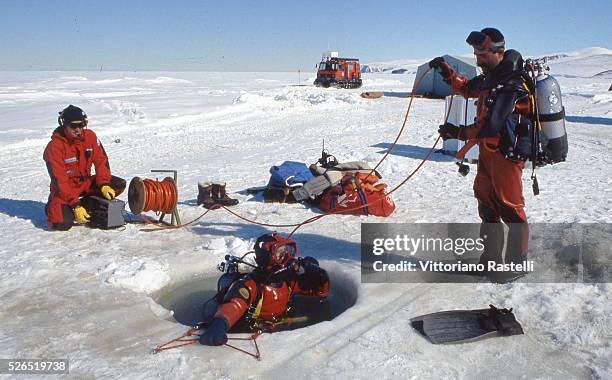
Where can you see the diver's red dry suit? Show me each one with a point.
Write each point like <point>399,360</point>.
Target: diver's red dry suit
<point>502,129</point>
<point>265,300</point>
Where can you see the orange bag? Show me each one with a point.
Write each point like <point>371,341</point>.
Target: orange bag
<point>355,191</point>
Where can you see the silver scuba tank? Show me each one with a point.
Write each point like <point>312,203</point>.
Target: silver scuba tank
<point>553,135</point>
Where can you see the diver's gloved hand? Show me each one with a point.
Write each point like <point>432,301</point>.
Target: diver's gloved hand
<point>81,215</point>
<point>302,264</point>
<point>308,261</point>
<point>107,192</point>
<point>440,65</point>
<point>449,131</point>
<point>295,264</point>
<point>215,334</point>
<point>314,277</point>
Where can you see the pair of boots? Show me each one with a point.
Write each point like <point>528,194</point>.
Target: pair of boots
<point>213,195</point>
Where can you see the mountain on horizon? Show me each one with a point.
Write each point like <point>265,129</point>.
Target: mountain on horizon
<point>585,62</point>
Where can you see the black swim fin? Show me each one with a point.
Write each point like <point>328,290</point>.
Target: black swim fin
<point>462,326</point>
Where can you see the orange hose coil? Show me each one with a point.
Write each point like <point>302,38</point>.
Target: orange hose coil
<point>160,196</point>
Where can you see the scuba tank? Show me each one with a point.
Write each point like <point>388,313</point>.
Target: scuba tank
<point>551,114</point>
<point>229,267</point>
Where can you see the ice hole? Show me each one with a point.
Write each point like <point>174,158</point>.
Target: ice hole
<point>186,299</point>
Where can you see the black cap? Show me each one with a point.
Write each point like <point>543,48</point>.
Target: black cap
<point>71,114</point>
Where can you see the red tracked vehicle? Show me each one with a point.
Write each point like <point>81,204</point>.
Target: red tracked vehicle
<point>338,72</point>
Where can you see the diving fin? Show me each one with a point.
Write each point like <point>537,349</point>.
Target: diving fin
<point>463,326</point>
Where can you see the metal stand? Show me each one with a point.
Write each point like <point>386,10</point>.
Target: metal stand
<point>175,213</point>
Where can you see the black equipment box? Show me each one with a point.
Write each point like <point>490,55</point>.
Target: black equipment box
<point>104,214</point>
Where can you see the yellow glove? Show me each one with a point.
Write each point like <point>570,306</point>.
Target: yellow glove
<point>107,192</point>
<point>81,215</point>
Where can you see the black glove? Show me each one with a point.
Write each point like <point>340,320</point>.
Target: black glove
<point>302,264</point>
<point>449,131</point>
<point>440,66</point>
<point>308,261</point>
<point>215,334</point>
<point>314,277</point>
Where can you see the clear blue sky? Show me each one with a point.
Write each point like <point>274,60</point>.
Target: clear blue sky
<point>262,35</point>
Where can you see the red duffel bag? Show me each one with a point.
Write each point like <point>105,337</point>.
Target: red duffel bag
<point>354,191</point>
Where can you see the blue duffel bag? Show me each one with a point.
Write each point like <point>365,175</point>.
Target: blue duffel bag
<point>289,174</point>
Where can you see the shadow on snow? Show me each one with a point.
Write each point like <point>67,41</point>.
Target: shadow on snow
<point>25,209</point>
<point>413,151</point>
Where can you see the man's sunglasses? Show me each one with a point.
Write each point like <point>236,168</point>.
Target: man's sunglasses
<point>77,124</point>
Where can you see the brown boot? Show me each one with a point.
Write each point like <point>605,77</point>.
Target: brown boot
<point>205,195</point>
<point>220,196</point>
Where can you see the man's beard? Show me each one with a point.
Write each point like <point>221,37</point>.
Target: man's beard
<point>484,68</point>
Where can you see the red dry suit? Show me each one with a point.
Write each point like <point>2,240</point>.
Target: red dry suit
<point>69,165</point>
<point>502,128</point>
<point>254,300</point>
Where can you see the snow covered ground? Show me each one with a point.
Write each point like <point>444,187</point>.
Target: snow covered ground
<point>89,295</point>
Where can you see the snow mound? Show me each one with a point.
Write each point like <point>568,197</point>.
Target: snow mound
<point>130,112</point>
<point>109,81</point>
<point>381,82</point>
<point>232,245</point>
<point>589,51</point>
<point>297,98</point>
<point>72,78</point>
<point>216,245</point>
<point>214,92</point>
<point>167,80</point>
<point>142,276</point>
<point>237,245</point>
<point>602,98</point>
<point>314,97</point>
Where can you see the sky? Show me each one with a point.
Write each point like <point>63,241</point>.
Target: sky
<point>272,35</point>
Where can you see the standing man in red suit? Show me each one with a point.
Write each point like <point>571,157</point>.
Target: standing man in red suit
<point>502,129</point>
